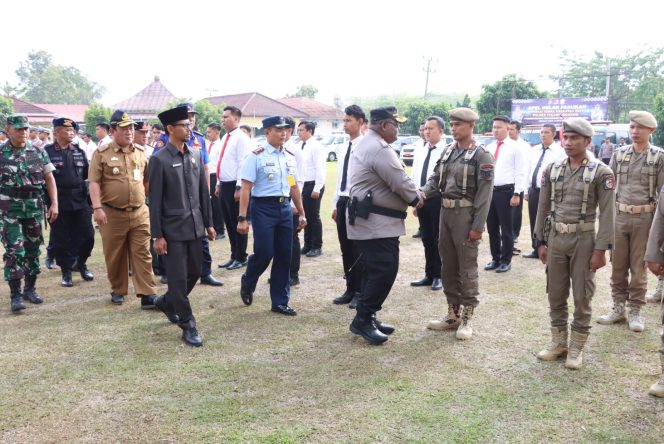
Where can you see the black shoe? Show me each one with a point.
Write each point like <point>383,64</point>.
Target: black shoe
<point>237,264</point>
<point>424,282</point>
<point>344,298</point>
<point>353,303</point>
<point>226,264</point>
<point>315,252</point>
<point>191,337</point>
<point>117,299</point>
<point>491,265</point>
<point>437,284</point>
<point>161,304</point>
<point>147,301</point>
<point>365,327</point>
<point>16,297</point>
<point>246,294</point>
<point>50,263</point>
<point>532,255</point>
<point>284,310</point>
<point>29,292</point>
<point>163,279</point>
<point>66,279</point>
<point>516,251</point>
<point>294,282</point>
<point>417,235</point>
<point>86,275</point>
<point>220,236</point>
<point>305,250</point>
<point>503,268</point>
<point>386,329</point>
<point>210,280</point>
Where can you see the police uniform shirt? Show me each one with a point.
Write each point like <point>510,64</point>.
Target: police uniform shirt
<point>119,175</point>
<point>237,148</point>
<point>269,169</point>
<point>508,164</point>
<point>340,168</point>
<point>633,178</point>
<point>554,152</point>
<point>314,163</point>
<point>420,157</point>
<point>292,149</point>
<point>71,172</point>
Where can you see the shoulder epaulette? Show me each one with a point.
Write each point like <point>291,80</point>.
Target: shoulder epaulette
<point>103,148</point>
<point>258,150</point>
<point>140,147</point>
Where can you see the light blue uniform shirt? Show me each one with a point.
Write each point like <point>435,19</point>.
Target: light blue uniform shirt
<point>268,169</point>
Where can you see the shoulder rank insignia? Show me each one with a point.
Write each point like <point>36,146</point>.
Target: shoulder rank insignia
<point>103,148</point>
<point>258,150</point>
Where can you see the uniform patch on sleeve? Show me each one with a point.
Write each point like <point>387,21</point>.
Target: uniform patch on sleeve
<point>258,150</point>
<point>486,171</point>
<point>609,182</point>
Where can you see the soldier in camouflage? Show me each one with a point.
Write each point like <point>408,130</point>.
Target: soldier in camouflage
<point>24,172</point>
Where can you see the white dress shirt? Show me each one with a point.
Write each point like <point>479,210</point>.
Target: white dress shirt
<point>340,171</point>
<point>526,151</point>
<point>420,156</point>
<point>89,148</point>
<point>237,148</point>
<point>105,141</point>
<point>314,163</point>
<point>214,150</point>
<point>553,153</point>
<point>508,167</point>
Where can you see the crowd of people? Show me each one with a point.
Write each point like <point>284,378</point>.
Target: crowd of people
<point>160,193</point>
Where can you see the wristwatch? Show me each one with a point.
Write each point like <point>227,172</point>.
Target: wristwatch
<point>241,218</point>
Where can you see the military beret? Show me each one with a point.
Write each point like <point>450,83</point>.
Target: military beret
<point>463,115</point>
<point>141,126</point>
<point>275,121</point>
<point>18,121</point>
<point>190,107</point>
<point>67,123</point>
<point>121,119</point>
<point>387,112</point>
<point>643,118</point>
<point>579,126</point>
<point>170,116</point>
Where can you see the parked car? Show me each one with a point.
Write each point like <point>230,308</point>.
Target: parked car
<point>403,139</point>
<point>408,151</point>
<point>333,143</point>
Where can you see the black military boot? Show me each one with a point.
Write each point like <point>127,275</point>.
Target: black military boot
<point>29,292</point>
<point>363,324</point>
<point>86,274</point>
<point>66,278</point>
<point>15,295</point>
<point>189,333</point>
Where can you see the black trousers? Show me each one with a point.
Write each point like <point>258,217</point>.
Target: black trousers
<point>429,217</point>
<point>380,262</point>
<point>313,232</point>
<point>533,202</point>
<point>231,210</point>
<point>517,218</point>
<point>217,209</point>
<point>183,269</point>
<point>72,237</point>
<point>295,250</point>
<point>499,224</point>
<point>348,249</point>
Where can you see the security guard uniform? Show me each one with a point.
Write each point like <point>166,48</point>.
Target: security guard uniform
<point>464,178</point>
<point>272,171</point>
<point>566,216</point>
<point>72,234</point>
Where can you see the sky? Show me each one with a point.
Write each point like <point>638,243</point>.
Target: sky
<point>345,48</point>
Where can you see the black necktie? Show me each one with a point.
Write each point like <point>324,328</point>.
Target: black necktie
<point>425,167</point>
<point>344,176</point>
<point>303,143</point>
<point>539,164</point>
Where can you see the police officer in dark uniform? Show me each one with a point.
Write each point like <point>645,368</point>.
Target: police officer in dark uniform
<point>269,174</point>
<point>72,233</point>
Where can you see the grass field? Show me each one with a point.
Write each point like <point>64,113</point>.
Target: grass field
<point>78,369</point>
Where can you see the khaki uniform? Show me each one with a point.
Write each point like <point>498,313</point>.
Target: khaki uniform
<point>121,178</point>
<point>464,177</point>
<point>565,195</point>
<point>639,176</point>
<point>655,250</point>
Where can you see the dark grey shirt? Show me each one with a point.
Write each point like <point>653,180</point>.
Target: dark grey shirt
<point>180,207</point>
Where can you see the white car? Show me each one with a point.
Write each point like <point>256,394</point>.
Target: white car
<point>333,143</point>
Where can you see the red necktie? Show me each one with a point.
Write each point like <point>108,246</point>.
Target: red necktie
<point>500,142</point>
<point>210,148</point>
<point>221,156</point>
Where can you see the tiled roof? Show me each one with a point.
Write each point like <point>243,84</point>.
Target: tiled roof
<point>74,112</point>
<point>314,108</point>
<point>22,107</point>
<point>149,100</point>
<point>257,105</point>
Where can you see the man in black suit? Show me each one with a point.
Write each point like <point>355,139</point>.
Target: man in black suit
<point>180,215</point>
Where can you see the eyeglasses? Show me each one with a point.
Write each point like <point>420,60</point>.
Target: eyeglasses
<point>396,125</point>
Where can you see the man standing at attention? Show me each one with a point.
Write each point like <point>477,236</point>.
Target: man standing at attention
<point>314,187</point>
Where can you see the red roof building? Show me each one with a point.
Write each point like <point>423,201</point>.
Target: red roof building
<point>36,114</point>
<point>74,112</point>
<point>256,106</point>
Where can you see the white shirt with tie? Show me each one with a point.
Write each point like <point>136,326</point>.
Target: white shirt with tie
<point>314,163</point>
<point>340,171</point>
<point>230,165</point>
<point>419,158</point>
<point>214,150</point>
<point>553,153</point>
<point>508,167</point>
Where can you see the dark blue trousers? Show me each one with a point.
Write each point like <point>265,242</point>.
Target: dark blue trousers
<point>272,223</point>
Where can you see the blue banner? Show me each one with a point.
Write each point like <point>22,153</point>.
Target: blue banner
<point>554,111</point>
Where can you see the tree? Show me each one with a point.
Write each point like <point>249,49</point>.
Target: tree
<point>465,103</point>
<point>6,108</point>
<point>633,79</point>
<point>419,111</point>
<point>658,111</point>
<point>497,98</point>
<point>207,112</point>
<point>40,81</point>
<point>95,114</point>
<point>305,91</point>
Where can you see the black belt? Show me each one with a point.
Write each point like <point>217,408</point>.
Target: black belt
<point>504,187</point>
<point>389,212</point>
<point>277,199</point>
<point>70,191</point>
<point>343,199</point>
<point>127,209</point>
<point>21,194</point>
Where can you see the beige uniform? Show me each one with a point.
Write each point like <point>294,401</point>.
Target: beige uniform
<point>464,177</point>
<point>639,176</point>
<point>565,195</point>
<point>122,177</point>
<point>655,247</point>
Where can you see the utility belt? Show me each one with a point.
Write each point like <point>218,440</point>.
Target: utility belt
<point>363,208</point>
<point>21,194</point>
<point>456,203</point>
<point>274,199</point>
<point>635,209</point>
<point>126,209</point>
<point>573,228</point>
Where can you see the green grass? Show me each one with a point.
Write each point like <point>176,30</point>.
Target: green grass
<point>78,369</point>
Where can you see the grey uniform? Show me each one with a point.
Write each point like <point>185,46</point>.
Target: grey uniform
<point>464,177</point>
<point>639,176</point>
<point>571,237</point>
